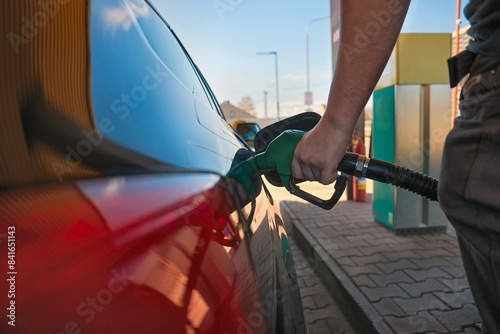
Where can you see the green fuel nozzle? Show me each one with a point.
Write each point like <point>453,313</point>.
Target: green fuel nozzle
<point>278,157</point>
<point>279,154</point>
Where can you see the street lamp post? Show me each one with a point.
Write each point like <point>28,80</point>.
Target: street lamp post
<point>308,95</point>
<point>265,104</point>
<point>275,54</point>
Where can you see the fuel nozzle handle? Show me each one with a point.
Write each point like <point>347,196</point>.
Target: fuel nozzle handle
<point>279,154</point>
<point>382,171</point>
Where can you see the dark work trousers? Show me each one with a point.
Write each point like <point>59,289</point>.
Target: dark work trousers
<point>469,190</point>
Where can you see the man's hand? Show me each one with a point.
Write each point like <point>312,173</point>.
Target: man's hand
<point>319,152</point>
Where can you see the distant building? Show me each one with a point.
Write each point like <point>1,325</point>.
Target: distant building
<point>233,114</point>
<point>464,38</point>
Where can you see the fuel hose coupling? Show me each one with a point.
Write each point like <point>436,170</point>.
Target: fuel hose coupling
<point>382,171</point>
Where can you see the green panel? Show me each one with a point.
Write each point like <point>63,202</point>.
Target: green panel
<point>383,149</point>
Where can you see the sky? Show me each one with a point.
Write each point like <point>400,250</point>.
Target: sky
<point>224,36</point>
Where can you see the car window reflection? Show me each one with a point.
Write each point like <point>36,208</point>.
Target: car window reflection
<point>123,15</point>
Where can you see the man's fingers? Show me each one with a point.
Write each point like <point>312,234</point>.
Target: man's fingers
<point>296,169</point>
<point>327,176</point>
<point>304,171</point>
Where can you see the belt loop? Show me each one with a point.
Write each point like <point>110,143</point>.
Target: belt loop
<point>459,66</point>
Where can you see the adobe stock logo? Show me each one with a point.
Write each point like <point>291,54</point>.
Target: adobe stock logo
<point>223,6</point>
<point>121,107</point>
<point>30,28</point>
<point>89,309</point>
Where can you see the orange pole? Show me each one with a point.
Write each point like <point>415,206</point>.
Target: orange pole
<point>454,105</point>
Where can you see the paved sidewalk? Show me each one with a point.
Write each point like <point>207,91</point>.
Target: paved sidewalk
<point>322,314</point>
<point>383,283</point>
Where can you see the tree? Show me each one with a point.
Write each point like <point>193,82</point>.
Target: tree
<point>246,103</point>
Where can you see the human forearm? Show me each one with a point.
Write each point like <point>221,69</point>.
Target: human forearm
<point>369,30</point>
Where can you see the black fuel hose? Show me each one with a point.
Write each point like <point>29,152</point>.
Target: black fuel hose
<point>382,171</point>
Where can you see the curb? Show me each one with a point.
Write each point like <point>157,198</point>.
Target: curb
<point>357,309</point>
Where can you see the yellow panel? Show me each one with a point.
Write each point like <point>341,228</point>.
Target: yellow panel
<point>421,58</point>
<point>418,58</point>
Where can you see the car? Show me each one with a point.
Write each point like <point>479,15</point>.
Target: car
<point>116,212</point>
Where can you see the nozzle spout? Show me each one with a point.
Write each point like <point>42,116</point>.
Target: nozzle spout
<point>278,156</point>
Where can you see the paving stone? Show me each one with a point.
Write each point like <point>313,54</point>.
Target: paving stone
<point>454,320</point>
<point>339,326</point>
<point>423,322</point>
<point>407,254</point>
<point>387,306</point>
<point>396,265</point>
<point>452,247</point>
<point>346,252</point>
<point>356,237</point>
<point>472,330</point>
<point>455,260</point>
<point>375,249</point>
<point>326,222</point>
<point>328,240</point>
<point>382,234</point>
<point>308,303</point>
<point>328,232</point>
<point>432,245</point>
<point>401,247</point>
<point>456,299</point>
<point>301,282</point>
<point>436,237</point>
<point>457,271</point>
<point>395,277</point>
<point>342,231</point>
<point>306,271</point>
<point>346,261</point>
<point>419,288</point>
<point>319,326</point>
<point>369,259</point>
<point>353,244</point>
<point>321,313</point>
<point>376,294</point>
<point>385,241</point>
<point>429,253</point>
<point>432,262</point>
<point>312,290</point>
<point>323,300</point>
<point>368,230</point>
<point>364,280</point>
<point>413,238</point>
<point>427,302</point>
<point>328,245</point>
<point>455,284</point>
<point>368,269</point>
<point>422,275</point>
<point>311,280</point>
